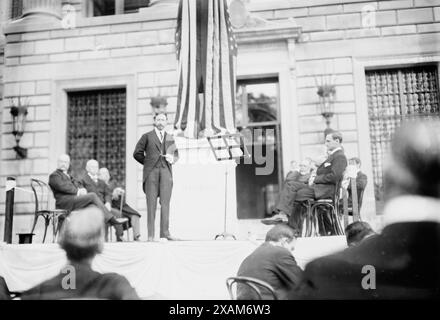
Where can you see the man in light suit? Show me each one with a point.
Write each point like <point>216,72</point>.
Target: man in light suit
<point>321,185</point>
<point>157,152</point>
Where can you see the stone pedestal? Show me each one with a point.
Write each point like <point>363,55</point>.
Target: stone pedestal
<point>42,9</point>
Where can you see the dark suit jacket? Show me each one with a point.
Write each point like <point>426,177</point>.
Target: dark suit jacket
<point>64,189</point>
<point>89,284</point>
<point>405,257</point>
<point>148,151</point>
<point>361,183</point>
<point>99,188</point>
<point>329,174</point>
<point>274,265</point>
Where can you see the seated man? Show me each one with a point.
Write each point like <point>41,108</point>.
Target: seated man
<point>358,231</point>
<point>70,195</point>
<point>321,184</point>
<point>354,171</point>
<point>273,263</point>
<point>117,194</point>
<point>300,174</point>
<point>402,262</point>
<point>4,291</point>
<point>82,238</point>
<point>92,184</point>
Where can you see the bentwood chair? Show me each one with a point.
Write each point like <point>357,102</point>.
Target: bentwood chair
<point>322,217</point>
<point>43,202</point>
<point>257,286</point>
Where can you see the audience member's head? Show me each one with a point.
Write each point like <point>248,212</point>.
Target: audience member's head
<point>283,236</point>
<point>104,175</point>
<point>413,167</point>
<point>82,234</point>
<point>333,140</point>
<point>63,162</point>
<point>357,231</point>
<point>92,167</point>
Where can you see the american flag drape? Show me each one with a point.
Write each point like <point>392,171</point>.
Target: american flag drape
<point>206,52</point>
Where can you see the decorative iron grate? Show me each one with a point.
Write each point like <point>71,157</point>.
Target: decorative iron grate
<point>396,95</point>
<point>96,130</point>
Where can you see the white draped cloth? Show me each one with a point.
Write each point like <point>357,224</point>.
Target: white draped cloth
<point>182,270</point>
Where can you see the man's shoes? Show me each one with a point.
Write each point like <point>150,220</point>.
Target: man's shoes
<point>119,239</point>
<point>278,218</point>
<point>137,238</point>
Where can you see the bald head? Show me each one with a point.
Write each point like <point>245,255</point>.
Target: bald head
<point>414,163</point>
<point>82,235</point>
<point>92,167</point>
<point>63,162</point>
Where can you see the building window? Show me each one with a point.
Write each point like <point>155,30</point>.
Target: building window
<point>96,130</point>
<point>16,9</point>
<point>257,118</point>
<point>112,7</point>
<point>396,95</point>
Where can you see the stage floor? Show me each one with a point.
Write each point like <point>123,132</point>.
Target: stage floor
<point>181,270</point>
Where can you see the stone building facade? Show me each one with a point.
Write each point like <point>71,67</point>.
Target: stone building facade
<point>294,44</point>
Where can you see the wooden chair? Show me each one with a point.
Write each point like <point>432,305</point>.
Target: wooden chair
<point>43,198</point>
<point>255,284</point>
<point>314,225</point>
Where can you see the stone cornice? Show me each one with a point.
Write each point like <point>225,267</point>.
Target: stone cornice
<point>270,32</point>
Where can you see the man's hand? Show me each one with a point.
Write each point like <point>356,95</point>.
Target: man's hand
<point>81,192</point>
<point>169,158</point>
<point>108,206</point>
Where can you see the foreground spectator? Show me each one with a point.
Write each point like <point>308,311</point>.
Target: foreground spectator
<point>273,263</point>
<point>403,262</point>
<point>82,237</point>
<point>358,231</point>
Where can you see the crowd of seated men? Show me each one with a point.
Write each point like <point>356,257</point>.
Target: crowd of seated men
<point>73,193</point>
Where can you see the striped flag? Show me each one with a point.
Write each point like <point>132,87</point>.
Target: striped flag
<point>206,51</point>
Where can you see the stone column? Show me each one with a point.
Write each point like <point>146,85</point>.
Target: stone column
<point>42,9</point>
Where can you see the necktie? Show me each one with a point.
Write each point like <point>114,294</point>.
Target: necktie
<point>161,136</point>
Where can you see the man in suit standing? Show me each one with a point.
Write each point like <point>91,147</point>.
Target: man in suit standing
<point>322,184</point>
<point>157,152</point>
<point>71,195</point>
<point>92,184</point>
